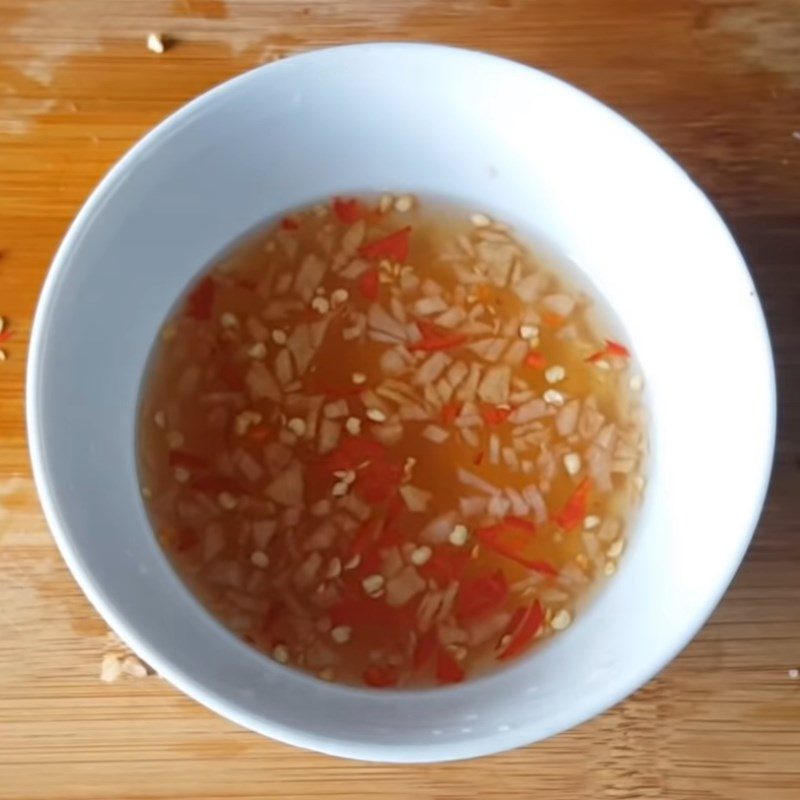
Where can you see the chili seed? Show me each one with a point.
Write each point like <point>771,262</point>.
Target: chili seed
<point>279,336</point>
<point>421,555</point>
<point>297,426</point>
<point>227,501</point>
<point>480,220</point>
<point>459,535</point>
<point>353,426</point>
<point>553,397</point>
<point>228,320</point>
<point>591,521</point>
<point>561,620</point>
<point>376,415</point>
<point>373,585</point>
<point>258,558</point>
<point>528,332</point>
<point>358,378</point>
<point>555,373</point>
<point>280,653</point>
<point>572,463</point>
<point>341,634</point>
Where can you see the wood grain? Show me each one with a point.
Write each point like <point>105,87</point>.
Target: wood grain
<point>716,82</point>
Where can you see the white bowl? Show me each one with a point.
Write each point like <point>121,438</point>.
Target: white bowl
<point>496,136</point>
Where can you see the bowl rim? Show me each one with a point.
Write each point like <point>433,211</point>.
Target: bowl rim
<point>369,751</point>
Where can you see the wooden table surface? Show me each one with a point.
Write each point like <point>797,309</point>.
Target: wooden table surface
<point>716,82</point>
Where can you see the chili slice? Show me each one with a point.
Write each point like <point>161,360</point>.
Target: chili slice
<point>480,596</point>
<point>200,301</point>
<point>423,652</point>
<point>535,360</point>
<point>347,211</point>
<point>575,509</point>
<point>492,415</point>
<point>380,677</point>
<point>448,670</point>
<point>616,349</point>
<point>289,224</point>
<point>393,247</point>
<point>527,626</point>
<point>369,284</point>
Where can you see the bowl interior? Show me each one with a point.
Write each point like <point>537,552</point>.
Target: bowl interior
<point>494,136</point>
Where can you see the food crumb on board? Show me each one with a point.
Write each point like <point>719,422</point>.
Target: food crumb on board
<point>119,661</point>
<point>156,43</point>
<point>794,674</point>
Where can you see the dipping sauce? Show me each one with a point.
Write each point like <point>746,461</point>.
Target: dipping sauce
<point>386,444</point>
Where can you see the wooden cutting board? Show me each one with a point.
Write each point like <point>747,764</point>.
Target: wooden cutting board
<point>716,82</point>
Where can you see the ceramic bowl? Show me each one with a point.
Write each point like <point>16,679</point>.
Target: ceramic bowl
<point>494,136</point>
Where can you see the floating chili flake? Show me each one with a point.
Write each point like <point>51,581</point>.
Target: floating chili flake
<point>347,211</point>
<point>393,247</point>
<point>522,628</point>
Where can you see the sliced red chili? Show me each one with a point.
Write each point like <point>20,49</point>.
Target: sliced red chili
<point>435,339</point>
<point>352,453</point>
<point>445,566</point>
<point>552,320</point>
<point>215,484</point>
<point>616,349</point>
<point>535,360</point>
<point>513,543</point>
<point>477,459</point>
<point>347,211</point>
<point>595,357</point>
<point>380,677</point>
<point>6,335</point>
<point>369,284</point>
<point>289,224</point>
<point>450,412</point>
<point>448,670</point>
<point>492,415</point>
<point>426,647</point>
<point>259,433</point>
<point>479,597</point>
<point>186,460</point>
<point>575,509</point>
<point>200,301</point>
<point>393,247</point>
<point>520,524</point>
<point>186,539</point>
<point>377,483</point>
<point>528,626</point>
<point>231,376</point>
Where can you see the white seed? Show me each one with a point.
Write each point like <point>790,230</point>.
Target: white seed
<point>155,43</point>
<point>160,419</point>
<point>279,336</point>
<point>421,555</point>
<point>280,653</point>
<point>146,493</point>
<point>339,296</point>
<point>110,668</point>
<point>258,558</point>
<point>181,474</point>
<point>636,383</point>
<point>339,489</point>
<point>615,548</point>
<point>358,378</point>
<point>321,305</point>
<point>561,619</point>
<point>174,439</point>
<point>528,332</point>
<point>326,674</point>
<point>602,364</point>
<point>480,220</point>
<point>257,350</point>
<point>591,521</point>
<point>353,426</point>
<point>376,415</point>
<point>228,320</point>
<point>553,397</point>
<point>244,420</point>
<point>341,634</point>
<point>555,373</point>
<point>227,501</point>
<point>385,203</point>
<point>334,569</point>
<point>297,425</point>
<point>349,477</point>
<point>373,585</point>
<point>458,536</point>
<point>353,562</point>
<point>134,667</point>
<point>794,674</point>
<point>610,568</point>
<point>404,203</point>
<point>572,463</point>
